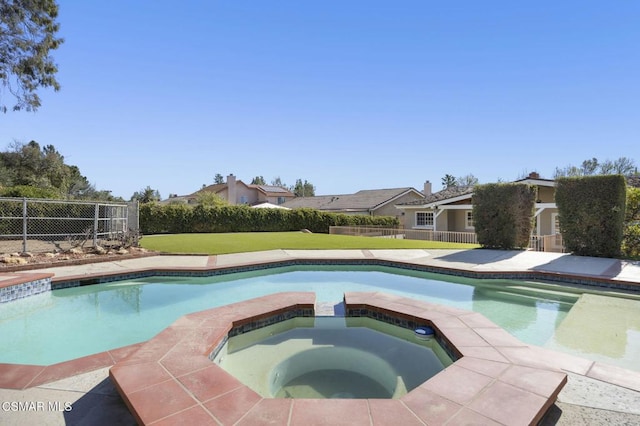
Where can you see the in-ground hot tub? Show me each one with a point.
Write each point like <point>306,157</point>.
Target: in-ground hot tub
<point>328,357</point>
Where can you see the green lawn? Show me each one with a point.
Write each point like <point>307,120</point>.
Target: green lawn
<point>258,241</point>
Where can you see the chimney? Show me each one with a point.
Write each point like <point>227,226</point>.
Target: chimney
<point>231,190</point>
<point>427,188</point>
<point>534,175</point>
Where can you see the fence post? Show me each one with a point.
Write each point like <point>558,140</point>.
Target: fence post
<point>24,224</point>
<point>95,226</point>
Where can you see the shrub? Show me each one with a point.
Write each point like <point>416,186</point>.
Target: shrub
<point>631,241</point>
<point>631,235</point>
<point>182,218</point>
<point>503,214</point>
<point>591,212</point>
<point>632,209</point>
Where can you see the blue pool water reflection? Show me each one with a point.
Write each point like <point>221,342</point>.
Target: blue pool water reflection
<point>70,323</point>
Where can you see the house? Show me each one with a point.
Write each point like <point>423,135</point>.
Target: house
<point>236,192</point>
<point>372,202</point>
<point>451,209</point>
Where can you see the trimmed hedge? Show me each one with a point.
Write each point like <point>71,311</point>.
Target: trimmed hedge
<point>631,234</point>
<point>631,242</point>
<point>591,212</point>
<point>182,218</point>
<point>503,214</point>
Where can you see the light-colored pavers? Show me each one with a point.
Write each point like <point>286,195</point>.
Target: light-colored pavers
<point>251,257</point>
<point>466,260</point>
<point>89,399</point>
<point>122,266</point>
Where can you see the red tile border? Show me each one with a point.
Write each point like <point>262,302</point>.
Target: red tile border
<point>74,367</point>
<point>268,411</point>
<point>18,376</point>
<point>471,389</point>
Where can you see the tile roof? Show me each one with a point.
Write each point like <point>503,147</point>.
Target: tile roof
<point>360,201</point>
<point>273,190</point>
<point>445,194</point>
<point>215,188</point>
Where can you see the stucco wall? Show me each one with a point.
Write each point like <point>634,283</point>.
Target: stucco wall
<point>389,209</point>
<point>544,219</point>
<point>546,194</point>
<point>455,221</point>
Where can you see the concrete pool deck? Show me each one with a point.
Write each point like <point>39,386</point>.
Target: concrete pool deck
<point>596,393</point>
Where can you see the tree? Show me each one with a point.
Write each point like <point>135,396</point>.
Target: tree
<point>468,180</point>
<point>305,189</point>
<point>27,34</point>
<point>218,179</point>
<point>590,167</point>
<point>78,186</point>
<point>448,181</point>
<point>28,165</point>
<point>32,166</point>
<point>622,166</point>
<point>208,198</point>
<point>146,195</point>
<point>278,182</point>
<point>258,180</point>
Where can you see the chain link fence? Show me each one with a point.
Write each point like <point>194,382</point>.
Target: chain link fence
<point>38,225</point>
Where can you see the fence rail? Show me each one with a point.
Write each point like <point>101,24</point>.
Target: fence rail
<point>552,243</point>
<point>537,243</point>
<point>38,225</point>
<point>407,234</point>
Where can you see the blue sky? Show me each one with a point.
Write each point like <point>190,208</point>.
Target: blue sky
<point>348,95</point>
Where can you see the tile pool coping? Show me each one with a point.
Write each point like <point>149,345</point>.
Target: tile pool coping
<point>212,270</point>
<point>10,288</point>
<point>171,379</point>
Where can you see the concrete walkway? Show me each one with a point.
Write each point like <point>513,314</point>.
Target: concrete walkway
<point>587,399</point>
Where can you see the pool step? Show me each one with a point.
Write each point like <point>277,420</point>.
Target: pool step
<point>330,309</point>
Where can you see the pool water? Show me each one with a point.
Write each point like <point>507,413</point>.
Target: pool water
<point>332,358</point>
<point>65,324</point>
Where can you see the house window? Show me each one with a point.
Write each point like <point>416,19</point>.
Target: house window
<point>280,200</point>
<point>468,219</point>
<point>424,219</point>
<point>244,199</point>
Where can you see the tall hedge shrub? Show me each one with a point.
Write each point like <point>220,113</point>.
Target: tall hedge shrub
<point>503,214</point>
<point>631,234</point>
<point>182,218</point>
<point>591,210</point>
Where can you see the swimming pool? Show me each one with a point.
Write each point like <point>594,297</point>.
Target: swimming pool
<point>70,323</point>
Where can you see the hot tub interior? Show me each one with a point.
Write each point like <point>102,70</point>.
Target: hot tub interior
<point>332,357</point>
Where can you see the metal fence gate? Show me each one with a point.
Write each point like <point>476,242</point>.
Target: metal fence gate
<point>39,225</point>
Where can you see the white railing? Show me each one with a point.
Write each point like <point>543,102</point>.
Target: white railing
<point>549,243</point>
<point>408,234</point>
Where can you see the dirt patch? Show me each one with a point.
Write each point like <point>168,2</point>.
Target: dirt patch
<point>12,262</point>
